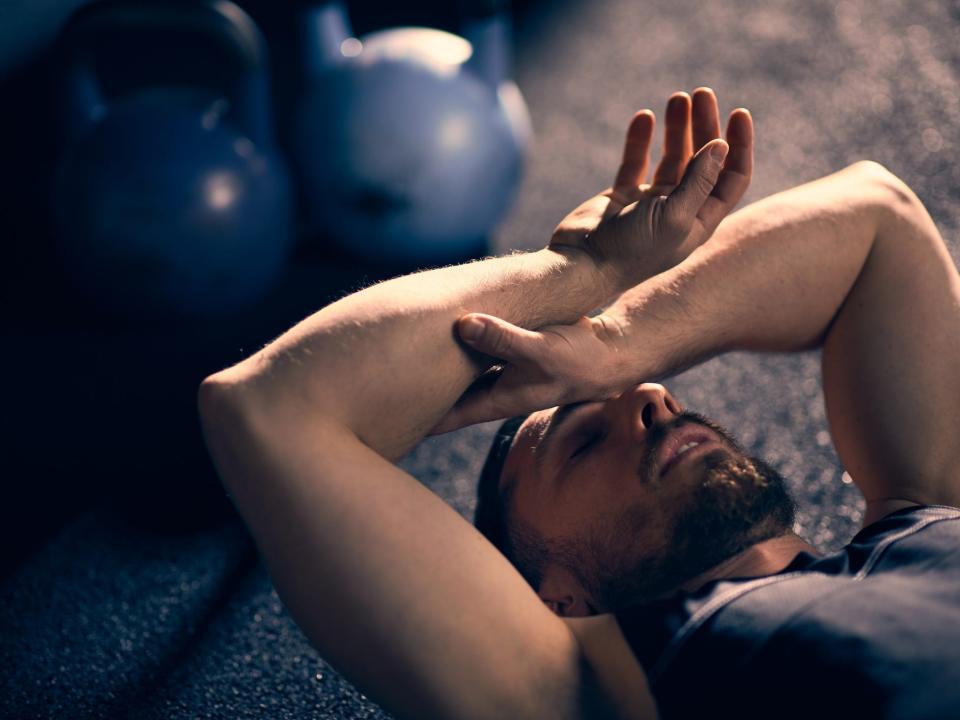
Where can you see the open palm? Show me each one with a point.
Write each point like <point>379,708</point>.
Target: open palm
<point>587,360</point>
<point>636,229</point>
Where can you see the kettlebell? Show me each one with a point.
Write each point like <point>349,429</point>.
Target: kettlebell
<point>410,140</point>
<point>171,198</point>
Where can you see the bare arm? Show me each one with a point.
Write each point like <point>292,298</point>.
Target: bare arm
<point>386,361</point>
<point>851,263</point>
<point>891,366</point>
<point>389,583</point>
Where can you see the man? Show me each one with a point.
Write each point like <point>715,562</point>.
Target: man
<point>659,569</point>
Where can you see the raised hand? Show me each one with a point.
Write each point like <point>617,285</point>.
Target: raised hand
<point>634,230</point>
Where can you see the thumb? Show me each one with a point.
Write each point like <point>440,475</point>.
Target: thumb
<point>698,182</point>
<point>496,337</point>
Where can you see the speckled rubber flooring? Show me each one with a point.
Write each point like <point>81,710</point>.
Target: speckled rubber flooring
<point>113,621</point>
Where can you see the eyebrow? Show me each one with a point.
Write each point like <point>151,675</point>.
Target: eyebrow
<point>559,417</point>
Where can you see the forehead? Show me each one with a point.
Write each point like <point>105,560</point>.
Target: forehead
<point>520,458</point>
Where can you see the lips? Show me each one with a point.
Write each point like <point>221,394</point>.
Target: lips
<point>685,441</point>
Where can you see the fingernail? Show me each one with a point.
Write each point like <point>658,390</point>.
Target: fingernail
<point>470,329</point>
<point>719,151</point>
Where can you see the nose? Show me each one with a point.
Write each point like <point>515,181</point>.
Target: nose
<point>646,405</point>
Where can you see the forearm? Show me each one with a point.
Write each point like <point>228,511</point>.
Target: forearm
<point>368,561</point>
<point>385,362</point>
<point>773,277</point>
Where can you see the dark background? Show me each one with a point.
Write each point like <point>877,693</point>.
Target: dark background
<point>104,405</point>
<point>130,588</point>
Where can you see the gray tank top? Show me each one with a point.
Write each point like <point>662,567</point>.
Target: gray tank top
<point>870,631</point>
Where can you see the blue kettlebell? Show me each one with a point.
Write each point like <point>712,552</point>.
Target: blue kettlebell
<point>171,198</point>
<point>410,141</point>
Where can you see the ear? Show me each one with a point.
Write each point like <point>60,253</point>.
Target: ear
<point>561,592</point>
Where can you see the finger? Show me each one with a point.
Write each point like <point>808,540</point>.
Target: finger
<point>493,336</point>
<point>706,117</point>
<point>684,203</point>
<point>677,141</point>
<point>738,168</point>
<point>736,174</point>
<point>636,152</point>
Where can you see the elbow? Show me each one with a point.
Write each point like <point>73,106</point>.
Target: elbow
<point>216,408</point>
<point>229,429</point>
<point>213,397</point>
<point>893,192</point>
<point>223,405</point>
<point>208,396</point>
<point>898,211</point>
<point>229,391</point>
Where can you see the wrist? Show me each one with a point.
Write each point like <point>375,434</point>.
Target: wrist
<point>663,330</point>
<point>601,281</point>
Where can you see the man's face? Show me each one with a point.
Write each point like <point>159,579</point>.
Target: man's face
<point>639,493</point>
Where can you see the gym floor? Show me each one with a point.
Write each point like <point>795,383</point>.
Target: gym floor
<point>116,617</point>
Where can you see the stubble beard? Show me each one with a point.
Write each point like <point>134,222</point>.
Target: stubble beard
<point>649,551</point>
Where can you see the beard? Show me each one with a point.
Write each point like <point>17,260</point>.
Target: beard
<point>736,502</point>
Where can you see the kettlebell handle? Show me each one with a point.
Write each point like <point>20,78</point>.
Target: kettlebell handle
<point>486,24</point>
<point>325,26</point>
<point>219,22</point>
<point>488,27</point>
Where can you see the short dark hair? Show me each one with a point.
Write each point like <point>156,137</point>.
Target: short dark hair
<point>489,516</point>
<point>696,533</point>
<point>522,545</point>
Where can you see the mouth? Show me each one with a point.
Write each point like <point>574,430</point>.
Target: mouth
<point>685,443</point>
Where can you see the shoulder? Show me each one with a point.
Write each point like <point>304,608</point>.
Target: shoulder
<point>902,518</point>
<point>905,535</point>
<point>618,675</point>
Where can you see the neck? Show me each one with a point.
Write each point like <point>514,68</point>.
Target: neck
<point>765,558</point>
